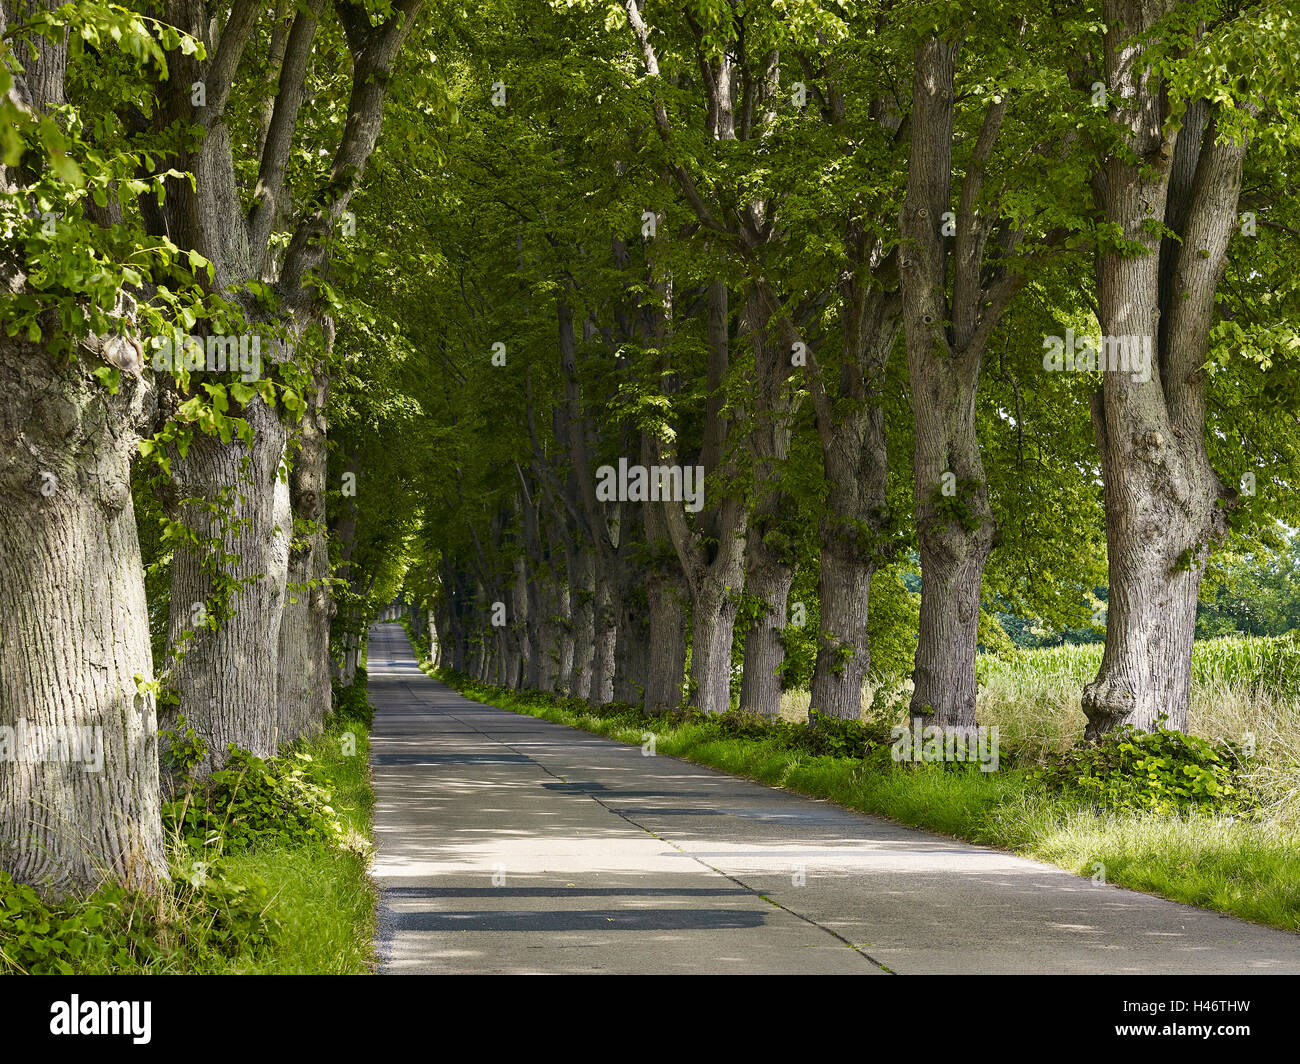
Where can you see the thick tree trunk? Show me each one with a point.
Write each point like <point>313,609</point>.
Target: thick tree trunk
<point>944,677</point>
<point>1165,506</point>
<point>551,629</point>
<point>713,623</point>
<point>226,679</point>
<point>956,533</point>
<point>1158,528</point>
<point>853,529</point>
<point>769,560</point>
<point>631,648</point>
<point>347,650</point>
<point>946,337</point>
<point>582,603</point>
<point>79,787</point>
<point>74,634</point>
<point>666,667</point>
<point>303,687</point>
<point>564,633</point>
<point>667,598</point>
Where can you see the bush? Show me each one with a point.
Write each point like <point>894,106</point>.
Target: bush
<point>227,917</point>
<point>1163,771</point>
<point>252,800</point>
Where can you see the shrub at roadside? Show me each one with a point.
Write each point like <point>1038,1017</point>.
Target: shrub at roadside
<point>1163,772</point>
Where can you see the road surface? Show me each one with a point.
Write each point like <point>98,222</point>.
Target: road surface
<point>508,844</point>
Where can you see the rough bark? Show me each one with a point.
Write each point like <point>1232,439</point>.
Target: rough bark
<point>945,345</point>
<point>853,529</point>
<point>75,658</point>
<point>769,559</point>
<point>74,631</point>
<point>1165,505</point>
<point>233,576</point>
<point>602,668</point>
<point>214,688</point>
<point>303,687</point>
<point>582,603</point>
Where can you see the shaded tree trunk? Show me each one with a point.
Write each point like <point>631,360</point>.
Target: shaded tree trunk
<point>602,669</point>
<point>303,685</point>
<point>768,577</point>
<point>667,600</point>
<point>228,590</point>
<point>582,603</point>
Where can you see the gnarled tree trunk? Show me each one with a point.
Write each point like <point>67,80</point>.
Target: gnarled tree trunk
<point>1165,506</point>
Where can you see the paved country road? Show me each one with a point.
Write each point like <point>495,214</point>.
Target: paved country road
<point>507,844</point>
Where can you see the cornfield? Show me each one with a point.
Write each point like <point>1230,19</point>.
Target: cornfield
<point>1271,662</point>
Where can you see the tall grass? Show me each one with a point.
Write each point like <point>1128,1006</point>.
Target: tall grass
<point>1245,689</point>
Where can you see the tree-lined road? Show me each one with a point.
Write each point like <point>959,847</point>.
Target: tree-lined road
<point>508,844</point>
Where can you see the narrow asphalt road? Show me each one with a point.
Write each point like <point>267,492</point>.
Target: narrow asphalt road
<point>508,844</point>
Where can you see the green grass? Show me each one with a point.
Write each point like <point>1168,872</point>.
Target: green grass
<point>1247,869</point>
<point>323,903</point>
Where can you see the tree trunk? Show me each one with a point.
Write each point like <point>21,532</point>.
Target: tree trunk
<point>1165,506</point>
<point>602,669</point>
<point>582,603</point>
<point>303,686</point>
<point>956,533</point>
<point>435,637</point>
<point>853,530</point>
<point>713,622</point>
<point>564,631</point>
<point>843,656</point>
<point>769,558</point>
<point>226,678</point>
<point>946,336</point>
<point>667,598</point>
<point>768,578</point>
<point>70,648</point>
<point>667,659</point>
<point>631,646</point>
